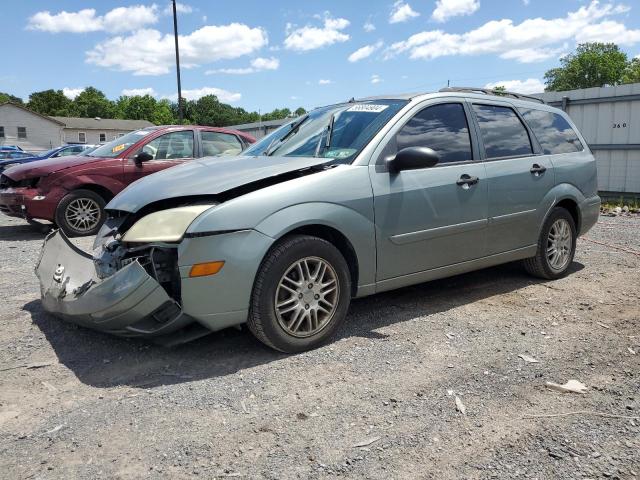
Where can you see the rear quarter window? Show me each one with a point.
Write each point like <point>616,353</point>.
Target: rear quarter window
<point>552,130</point>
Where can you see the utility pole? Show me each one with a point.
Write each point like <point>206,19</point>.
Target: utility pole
<point>175,34</point>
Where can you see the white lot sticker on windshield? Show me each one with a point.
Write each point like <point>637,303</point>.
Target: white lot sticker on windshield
<point>367,107</point>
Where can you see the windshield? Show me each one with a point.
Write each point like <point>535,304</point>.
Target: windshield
<point>117,146</point>
<point>337,131</point>
<point>47,153</point>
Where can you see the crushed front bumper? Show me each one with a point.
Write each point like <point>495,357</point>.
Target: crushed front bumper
<point>128,303</point>
<point>28,203</point>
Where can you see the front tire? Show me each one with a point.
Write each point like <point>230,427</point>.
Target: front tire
<point>556,246</point>
<point>301,294</point>
<point>80,213</point>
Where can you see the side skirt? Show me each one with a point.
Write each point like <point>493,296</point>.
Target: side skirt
<point>455,269</point>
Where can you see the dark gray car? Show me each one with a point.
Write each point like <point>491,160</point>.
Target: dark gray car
<point>349,200</point>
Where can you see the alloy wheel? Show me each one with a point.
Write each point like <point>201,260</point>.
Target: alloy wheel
<point>307,297</point>
<point>83,214</point>
<point>559,244</point>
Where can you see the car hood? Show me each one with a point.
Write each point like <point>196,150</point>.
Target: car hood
<point>207,176</point>
<point>7,161</point>
<point>40,168</point>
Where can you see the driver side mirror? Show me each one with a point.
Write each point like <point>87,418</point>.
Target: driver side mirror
<point>413,158</point>
<point>142,157</point>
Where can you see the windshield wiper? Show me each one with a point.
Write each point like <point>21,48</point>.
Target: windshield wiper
<point>327,142</point>
<point>294,129</point>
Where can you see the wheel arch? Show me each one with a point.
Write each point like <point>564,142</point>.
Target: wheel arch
<point>101,190</point>
<point>568,197</point>
<point>349,231</point>
<point>338,240</point>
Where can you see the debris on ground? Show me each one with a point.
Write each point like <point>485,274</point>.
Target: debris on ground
<point>460,406</point>
<point>572,386</point>
<point>528,358</point>
<point>366,443</point>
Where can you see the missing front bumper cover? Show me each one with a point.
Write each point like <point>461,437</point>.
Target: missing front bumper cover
<point>128,303</point>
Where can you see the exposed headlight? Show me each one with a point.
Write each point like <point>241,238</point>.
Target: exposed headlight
<point>165,225</point>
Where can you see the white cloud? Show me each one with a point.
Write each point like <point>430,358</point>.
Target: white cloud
<point>257,65</point>
<point>369,27</point>
<point>119,19</point>
<point>310,38</point>
<point>223,95</point>
<point>609,31</point>
<point>375,79</point>
<point>533,39</point>
<point>530,85</point>
<point>148,52</point>
<point>401,12</point>
<point>180,8</point>
<point>324,82</point>
<point>72,92</point>
<point>526,2</point>
<point>532,55</point>
<point>265,63</point>
<point>364,52</point>
<point>445,9</point>
<point>135,92</point>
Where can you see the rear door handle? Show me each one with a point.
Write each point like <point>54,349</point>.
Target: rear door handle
<point>537,169</point>
<point>465,181</point>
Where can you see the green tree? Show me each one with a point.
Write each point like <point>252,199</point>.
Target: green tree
<point>632,72</point>
<point>7,97</point>
<point>136,107</point>
<point>50,102</point>
<point>163,114</point>
<point>277,114</point>
<point>592,65</point>
<point>91,103</point>
<point>300,111</point>
<point>499,90</point>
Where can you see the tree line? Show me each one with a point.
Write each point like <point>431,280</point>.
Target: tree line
<point>91,103</point>
<point>591,65</point>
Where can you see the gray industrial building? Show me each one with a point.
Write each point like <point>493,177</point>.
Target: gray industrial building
<point>260,129</point>
<point>609,119</point>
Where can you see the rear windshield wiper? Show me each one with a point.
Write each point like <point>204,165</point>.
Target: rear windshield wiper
<point>294,129</point>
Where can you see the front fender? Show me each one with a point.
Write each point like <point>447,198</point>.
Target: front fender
<point>73,182</point>
<point>358,229</point>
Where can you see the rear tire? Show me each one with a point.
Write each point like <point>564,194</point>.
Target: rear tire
<point>301,294</point>
<point>556,246</point>
<point>80,213</point>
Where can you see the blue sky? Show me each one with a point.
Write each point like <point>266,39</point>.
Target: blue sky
<point>263,55</point>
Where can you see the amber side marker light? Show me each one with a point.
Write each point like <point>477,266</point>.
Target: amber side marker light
<point>204,269</point>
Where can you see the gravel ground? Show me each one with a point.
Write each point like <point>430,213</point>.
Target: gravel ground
<point>379,402</point>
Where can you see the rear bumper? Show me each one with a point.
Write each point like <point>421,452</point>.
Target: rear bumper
<point>589,212</point>
<point>129,303</point>
<point>27,203</point>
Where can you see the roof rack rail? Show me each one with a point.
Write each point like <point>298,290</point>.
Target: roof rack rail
<point>490,91</point>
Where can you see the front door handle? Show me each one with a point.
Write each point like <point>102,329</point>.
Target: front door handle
<point>465,181</point>
<point>537,170</point>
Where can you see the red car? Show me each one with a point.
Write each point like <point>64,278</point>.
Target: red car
<point>71,191</point>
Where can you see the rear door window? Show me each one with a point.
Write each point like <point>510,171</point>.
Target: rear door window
<point>502,132</point>
<point>442,128</point>
<point>553,132</point>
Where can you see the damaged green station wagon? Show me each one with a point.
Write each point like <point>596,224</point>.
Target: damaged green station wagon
<point>346,201</point>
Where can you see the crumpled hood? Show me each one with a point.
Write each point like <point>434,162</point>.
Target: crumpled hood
<point>207,176</point>
<point>40,168</point>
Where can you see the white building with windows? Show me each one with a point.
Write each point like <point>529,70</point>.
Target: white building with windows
<point>35,132</point>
